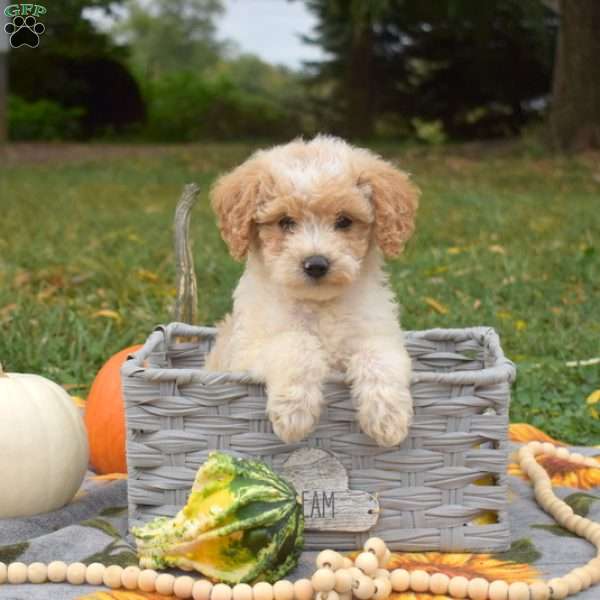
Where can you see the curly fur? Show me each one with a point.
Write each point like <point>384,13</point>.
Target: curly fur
<point>291,330</point>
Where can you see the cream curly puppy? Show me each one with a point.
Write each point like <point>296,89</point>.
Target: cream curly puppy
<point>314,220</point>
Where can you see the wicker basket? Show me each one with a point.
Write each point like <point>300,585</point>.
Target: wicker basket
<point>432,490</point>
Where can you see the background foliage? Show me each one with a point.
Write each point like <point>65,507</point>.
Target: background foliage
<point>454,69</point>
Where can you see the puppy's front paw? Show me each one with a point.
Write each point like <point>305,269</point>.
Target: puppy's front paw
<point>294,416</point>
<point>387,419</point>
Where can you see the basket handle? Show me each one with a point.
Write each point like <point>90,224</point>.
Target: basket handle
<point>186,300</point>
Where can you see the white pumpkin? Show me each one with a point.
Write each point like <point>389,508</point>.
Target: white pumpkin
<point>43,445</point>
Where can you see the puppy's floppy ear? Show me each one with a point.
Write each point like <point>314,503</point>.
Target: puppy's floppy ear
<point>234,199</point>
<point>395,200</point>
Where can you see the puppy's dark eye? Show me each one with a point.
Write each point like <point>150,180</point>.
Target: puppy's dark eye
<point>343,222</point>
<point>287,223</point>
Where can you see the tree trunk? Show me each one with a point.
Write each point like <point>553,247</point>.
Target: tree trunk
<point>3,96</point>
<point>358,88</point>
<point>575,111</point>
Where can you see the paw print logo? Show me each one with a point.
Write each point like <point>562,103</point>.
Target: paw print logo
<point>24,32</point>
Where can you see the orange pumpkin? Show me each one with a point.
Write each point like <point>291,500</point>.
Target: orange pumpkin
<point>105,417</point>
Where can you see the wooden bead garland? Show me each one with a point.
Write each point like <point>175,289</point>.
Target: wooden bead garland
<point>339,578</point>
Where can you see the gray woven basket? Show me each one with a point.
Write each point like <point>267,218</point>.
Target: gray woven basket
<point>431,489</point>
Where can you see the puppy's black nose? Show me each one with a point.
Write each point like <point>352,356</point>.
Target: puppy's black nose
<point>316,266</point>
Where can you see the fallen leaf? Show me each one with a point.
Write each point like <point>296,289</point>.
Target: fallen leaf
<point>145,275</point>
<point>440,308</point>
<point>476,304</point>
<point>454,250</point>
<point>108,314</point>
<point>46,293</point>
<point>6,311</point>
<point>591,400</point>
<point>520,325</point>
<point>21,278</point>
<point>497,249</point>
<point>78,401</point>
<point>73,386</point>
<point>109,477</point>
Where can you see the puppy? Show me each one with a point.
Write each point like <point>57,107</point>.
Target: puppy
<point>313,221</point>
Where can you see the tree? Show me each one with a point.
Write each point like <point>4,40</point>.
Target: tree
<point>77,67</point>
<point>480,68</point>
<point>346,32</point>
<point>575,112</point>
<point>170,35</point>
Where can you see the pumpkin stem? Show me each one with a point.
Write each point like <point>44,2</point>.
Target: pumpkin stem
<point>187,293</point>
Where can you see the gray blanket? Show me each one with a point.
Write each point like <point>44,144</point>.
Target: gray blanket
<point>93,528</point>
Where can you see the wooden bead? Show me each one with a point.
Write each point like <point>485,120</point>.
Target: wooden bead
<point>202,589</point>
<point>2,572</point>
<point>345,596</point>
<point>382,573</point>
<point>363,588</point>
<point>563,513</point>
<point>283,590</point>
<point>376,546</point>
<point>457,588</point>
<point>594,570</point>
<point>419,581</point>
<point>518,591</point>
<point>331,595</point>
<point>559,589</point>
<point>562,453</point>
<point>524,453</point>
<point>383,588</point>
<point>76,573</point>
<point>438,583</point>
<point>183,587</point>
<point>262,591</point>
<point>112,577</point>
<point>584,576</point>
<point>343,581</point>
<point>549,449</point>
<point>129,577</point>
<point>573,582</point>
<point>535,447</point>
<point>367,563</point>
<point>347,562</point>
<point>539,590</point>
<point>16,573</point>
<point>400,579</point>
<point>37,572</point>
<point>243,591</point>
<point>94,573</point>
<point>330,559</point>
<point>576,457</point>
<point>554,505</point>
<point>478,589</point>
<point>582,526</point>
<point>384,561</point>
<point>571,522</point>
<point>57,571</point>
<point>146,580</point>
<point>498,590</point>
<point>303,589</point>
<point>323,580</point>
<point>221,591</point>
<point>355,572</point>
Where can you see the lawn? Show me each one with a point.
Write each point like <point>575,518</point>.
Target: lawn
<point>504,238</point>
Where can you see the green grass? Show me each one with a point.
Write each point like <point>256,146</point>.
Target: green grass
<point>507,241</point>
